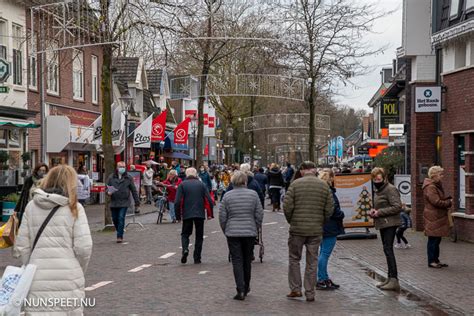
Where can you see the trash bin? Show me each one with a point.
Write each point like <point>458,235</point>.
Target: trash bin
<point>7,211</point>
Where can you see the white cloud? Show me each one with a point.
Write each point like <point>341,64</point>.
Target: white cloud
<point>388,32</point>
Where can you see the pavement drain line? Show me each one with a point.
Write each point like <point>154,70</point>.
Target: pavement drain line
<point>140,268</point>
<point>97,285</point>
<point>167,255</point>
<point>412,292</point>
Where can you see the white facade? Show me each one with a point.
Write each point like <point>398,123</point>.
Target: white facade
<point>13,38</point>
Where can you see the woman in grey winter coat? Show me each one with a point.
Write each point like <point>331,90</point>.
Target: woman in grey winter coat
<point>63,249</point>
<point>240,216</point>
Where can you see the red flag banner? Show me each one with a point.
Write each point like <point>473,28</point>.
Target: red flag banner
<point>206,150</point>
<point>212,121</point>
<point>158,127</point>
<point>206,119</point>
<point>190,113</point>
<point>181,132</point>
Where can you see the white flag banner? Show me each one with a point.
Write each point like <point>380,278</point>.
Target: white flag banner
<point>118,123</point>
<point>142,134</point>
<point>212,121</point>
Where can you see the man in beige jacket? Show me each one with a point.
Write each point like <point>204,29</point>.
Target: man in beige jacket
<point>308,204</point>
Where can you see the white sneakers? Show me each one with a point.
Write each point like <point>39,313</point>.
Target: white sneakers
<point>400,246</point>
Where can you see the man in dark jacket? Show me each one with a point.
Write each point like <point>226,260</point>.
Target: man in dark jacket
<point>289,173</point>
<point>252,184</point>
<point>205,177</point>
<point>262,180</point>
<point>120,186</point>
<point>189,206</point>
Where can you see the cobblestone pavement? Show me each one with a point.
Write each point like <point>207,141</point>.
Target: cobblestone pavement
<point>148,279</point>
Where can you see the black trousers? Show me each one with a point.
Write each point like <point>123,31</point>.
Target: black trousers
<point>188,230</point>
<point>400,237</point>
<point>388,237</point>
<point>433,249</point>
<point>241,252</point>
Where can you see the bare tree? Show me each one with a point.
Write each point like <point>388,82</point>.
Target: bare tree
<point>325,40</point>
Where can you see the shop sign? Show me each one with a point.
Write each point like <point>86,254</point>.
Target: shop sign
<point>389,113</point>
<point>4,70</point>
<point>3,89</point>
<point>77,117</point>
<point>396,129</point>
<point>428,99</point>
<point>403,184</point>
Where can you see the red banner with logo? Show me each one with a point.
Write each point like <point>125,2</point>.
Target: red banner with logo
<point>181,132</point>
<point>158,127</point>
<point>212,122</point>
<point>190,113</point>
<point>206,119</point>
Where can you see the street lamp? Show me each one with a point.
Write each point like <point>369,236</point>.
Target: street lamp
<point>194,128</point>
<point>126,103</point>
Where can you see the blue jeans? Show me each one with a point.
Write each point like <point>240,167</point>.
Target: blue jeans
<point>327,245</point>
<point>171,209</point>
<point>118,217</point>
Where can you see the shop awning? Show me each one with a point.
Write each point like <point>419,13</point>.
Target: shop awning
<point>177,155</point>
<point>19,124</point>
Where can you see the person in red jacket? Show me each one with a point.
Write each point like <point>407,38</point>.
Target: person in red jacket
<point>171,183</point>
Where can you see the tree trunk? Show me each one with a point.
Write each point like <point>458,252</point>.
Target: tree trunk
<point>253,100</point>
<point>107,148</point>
<point>311,122</point>
<point>202,92</point>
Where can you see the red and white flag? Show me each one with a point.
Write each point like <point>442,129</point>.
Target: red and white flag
<point>159,127</point>
<point>181,132</point>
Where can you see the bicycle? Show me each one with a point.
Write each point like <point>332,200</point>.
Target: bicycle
<point>161,202</point>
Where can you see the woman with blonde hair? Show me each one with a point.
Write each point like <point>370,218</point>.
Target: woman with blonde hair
<point>331,229</point>
<point>435,214</point>
<point>64,247</point>
<point>386,215</point>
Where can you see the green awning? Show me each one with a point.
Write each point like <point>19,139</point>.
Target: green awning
<point>18,124</point>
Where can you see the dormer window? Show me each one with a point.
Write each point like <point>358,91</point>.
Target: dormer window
<point>469,5</point>
<point>454,9</point>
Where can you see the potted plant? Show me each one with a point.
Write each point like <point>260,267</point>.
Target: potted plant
<point>26,157</point>
<point>4,156</point>
<point>9,204</point>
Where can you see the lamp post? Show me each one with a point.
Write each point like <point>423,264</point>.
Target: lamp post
<point>126,102</point>
<point>194,127</point>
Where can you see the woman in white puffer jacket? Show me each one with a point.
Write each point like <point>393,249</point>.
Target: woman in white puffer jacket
<point>63,250</point>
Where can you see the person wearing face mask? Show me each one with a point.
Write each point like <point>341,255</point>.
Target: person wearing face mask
<point>31,184</point>
<point>148,175</point>
<point>386,215</point>
<point>120,186</point>
<point>205,178</point>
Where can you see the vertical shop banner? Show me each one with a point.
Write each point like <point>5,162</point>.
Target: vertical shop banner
<point>212,122</point>
<point>403,183</point>
<point>142,134</point>
<point>181,132</point>
<point>355,195</point>
<point>158,127</point>
<point>206,150</point>
<point>389,113</point>
<point>340,147</point>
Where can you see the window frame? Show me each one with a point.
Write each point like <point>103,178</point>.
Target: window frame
<point>95,79</point>
<point>17,57</point>
<point>4,39</point>
<point>78,75</point>
<point>451,15</point>
<point>52,67</point>
<point>32,64</point>
<point>470,8</point>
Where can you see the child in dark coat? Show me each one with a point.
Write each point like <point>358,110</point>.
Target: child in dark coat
<point>406,223</point>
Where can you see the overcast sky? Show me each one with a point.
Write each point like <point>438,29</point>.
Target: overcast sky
<point>389,32</point>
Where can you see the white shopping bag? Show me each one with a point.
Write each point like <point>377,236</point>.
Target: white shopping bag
<point>282,195</point>
<point>14,287</point>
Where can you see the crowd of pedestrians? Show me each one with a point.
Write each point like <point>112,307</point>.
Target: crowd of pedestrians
<point>308,196</point>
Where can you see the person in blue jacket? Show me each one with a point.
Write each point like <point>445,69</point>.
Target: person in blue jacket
<point>205,177</point>
<point>331,230</point>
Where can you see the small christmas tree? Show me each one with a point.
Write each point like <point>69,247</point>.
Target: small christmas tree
<point>363,205</point>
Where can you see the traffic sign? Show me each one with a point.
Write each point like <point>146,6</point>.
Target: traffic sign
<point>4,70</point>
<point>3,89</point>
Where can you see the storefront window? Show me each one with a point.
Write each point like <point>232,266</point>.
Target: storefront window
<point>3,138</point>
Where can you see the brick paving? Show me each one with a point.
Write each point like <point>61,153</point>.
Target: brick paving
<point>169,288</point>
